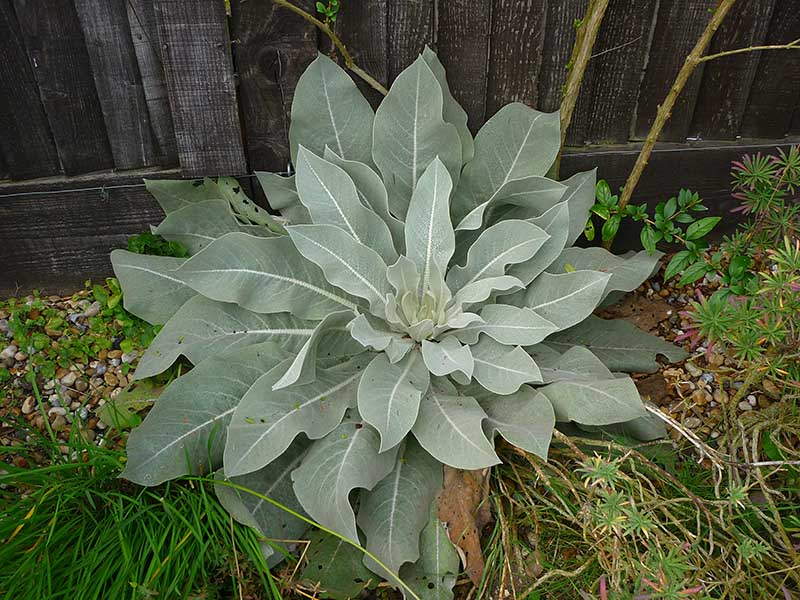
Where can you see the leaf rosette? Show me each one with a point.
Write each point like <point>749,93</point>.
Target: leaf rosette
<point>412,295</point>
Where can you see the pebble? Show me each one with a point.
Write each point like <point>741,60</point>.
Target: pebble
<point>656,286</point>
<point>720,396</point>
<point>129,357</point>
<point>93,310</point>
<point>692,422</point>
<point>57,410</point>
<point>84,413</point>
<point>699,397</point>
<point>101,425</point>
<point>81,385</point>
<point>54,400</point>
<point>100,369</point>
<point>58,423</point>
<point>49,385</point>
<point>20,356</point>
<point>714,435</point>
<point>115,362</point>
<point>745,406</point>
<point>771,389</point>
<point>693,370</point>
<point>69,378</point>
<point>716,360</point>
<point>28,406</point>
<point>4,327</point>
<point>115,354</point>
<point>752,400</point>
<point>707,377</point>
<point>110,379</point>
<point>9,352</point>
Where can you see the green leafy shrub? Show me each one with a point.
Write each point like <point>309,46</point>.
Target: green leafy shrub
<point>361,318</point>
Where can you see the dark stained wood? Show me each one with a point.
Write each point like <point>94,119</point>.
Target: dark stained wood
<point>412,25</point>
<point>117,81</point>
<point>57,53</point>
<point>463,33</point>
<point>727,81</point>
<point>703,167</point>
<point>679,25</point>
<point>196,53</point>
<point>273,48</point>
<point>144,33</point>
<point>518,32</point>
<point>559,39</point>
<point>363,28</point>
<point>26,144</point>
<point>776,88</point>
<point>619,56</point>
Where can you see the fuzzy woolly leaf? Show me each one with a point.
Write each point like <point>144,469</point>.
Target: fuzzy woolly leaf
<point>568,298</point>
<point>389,396</point>
<point>580,196</point>
<point>577,363</point>
<point>524,418</point>
<point>174,194</point>
<point>595,402</point>
<point>554,222</point>
<point>503,369</point>
<point>345,459</point>
<point>447,356</point>
<point>507,325</point>
<point>328,110</point>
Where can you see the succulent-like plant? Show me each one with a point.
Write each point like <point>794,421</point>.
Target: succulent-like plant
<point>381,326</point>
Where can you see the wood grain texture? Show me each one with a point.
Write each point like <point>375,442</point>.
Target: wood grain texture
<point>412,25</point>
<point>117,81</point>
<point>463,33</point>
<point>273,48</point>
<point>57,53</point>
<point>25,144</point>
<point>727,81</point>
<point>144,33</point>
<point>196,53</point>
<point>559,39</point>
<point>679,25</point>
<point>775,92</point>
<point>619,56</point>
<point>517,40</point>
<point>363,28</point>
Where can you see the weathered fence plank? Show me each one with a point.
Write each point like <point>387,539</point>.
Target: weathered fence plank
<point>518,31</point>
<point>463,47</point>
<point>620,56</point>
<point>199,72</point>
<point>117,81</point>
<point>273,48</point>
<point>26,144</point>
<point>411,27</point>
<point>57,52</point>
<point>559,38</point>
<point>680,24</point>
<point>727,81</point>
<point>363,28</point>
<point>144,33</point>
<point>776,88</point>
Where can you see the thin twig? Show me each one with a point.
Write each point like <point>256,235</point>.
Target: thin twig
<point>795,45</point>
<point>346,56</point>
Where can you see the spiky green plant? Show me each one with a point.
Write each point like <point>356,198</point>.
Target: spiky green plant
<point>362,318</point>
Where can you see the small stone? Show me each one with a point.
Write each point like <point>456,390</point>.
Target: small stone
<point>101,425</point>
<point>57,410</point>
<point>49,385</point>
<point>763,401</point>
<point>714,435</point>
<point>100,369</point>
<point>93,310</point>
<point>74,405</point>
<point>115,354</point>
<point>54,400</point>
<point>29,405</point>
<point>115,362</point>
<point>656,286</point>
<point>129,357</point>
<point>692,422</point>
<point>752,399</point>
<point>693,370</point>
<point>69,378</point>
<point>62,372</point>
<point>9,352</point>
<point>90,434</point>
<point>720,396</point>
<point>771,389</point>
<point>122,381</point>
<point>81,385</point>
<point>83,413</point>
<point>699,397</point>
<point>58,423</point>
<point>110,379</point>
<point>4,327</point>
<point>102,355</point>
<point>20,356</point>
<point>745,406</point>
<point>664,292</point>
<point>707,377</point>
<point>716,360</point>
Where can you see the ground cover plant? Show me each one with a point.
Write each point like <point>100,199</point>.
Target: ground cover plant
<point>381,328</point>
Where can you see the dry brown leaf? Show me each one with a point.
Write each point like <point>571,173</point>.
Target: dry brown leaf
<point>464,508</point>
<point>646,313</point>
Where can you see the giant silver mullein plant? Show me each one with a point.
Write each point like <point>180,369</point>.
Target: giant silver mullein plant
<point>416,296</point>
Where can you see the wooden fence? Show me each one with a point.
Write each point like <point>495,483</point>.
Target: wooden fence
<point>97,93</point>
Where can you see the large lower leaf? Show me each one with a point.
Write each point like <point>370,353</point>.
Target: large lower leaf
<point>273,481</point>
<point>433,576</point>
<point>346,263</point>
<point>619,344</point>
<point>331,198</point>
<point>524,418</point>
<point>153,291</point>
<point>266,421</point>
<point>554,222</point>
<point>576,363</point>
<point>185,431</point>
<point>263,275</point>
<point>430,241</point>
<point>449,427</point>
<point>503,369</point>
<point>409,132</point>
<point>626,273</point>
<point>335,568</point>
<point>202,328</point>
<point>596,402</point>
<point>328,110</point>
<point>566,299</point>
<point>344,460</point>
<point>503,244</point>
<point>174,194</point>
<point>507,325</point>
<point>516,142</point>
<point>281,194</point>
<point>393,514</point>
<point>389,396</point>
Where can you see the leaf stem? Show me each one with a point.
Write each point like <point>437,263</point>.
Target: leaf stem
<point>348,58</point>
